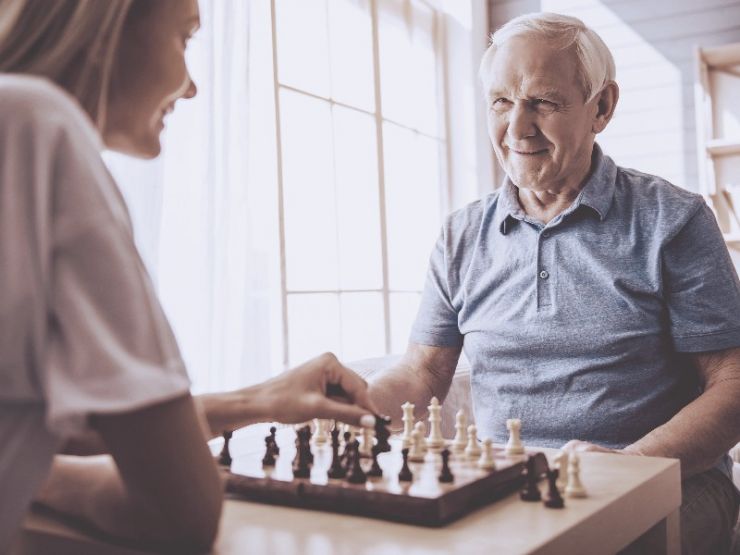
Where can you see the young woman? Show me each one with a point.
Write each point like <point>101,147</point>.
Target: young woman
<point>87,359</point>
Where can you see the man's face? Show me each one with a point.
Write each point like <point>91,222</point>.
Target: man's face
<point>540,127</point>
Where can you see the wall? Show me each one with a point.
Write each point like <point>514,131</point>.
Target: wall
<point>653,44</point>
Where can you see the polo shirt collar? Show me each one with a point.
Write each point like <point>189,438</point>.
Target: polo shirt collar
<point>597,194</point>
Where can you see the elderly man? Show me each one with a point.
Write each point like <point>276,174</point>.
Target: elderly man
<point>596,303</point>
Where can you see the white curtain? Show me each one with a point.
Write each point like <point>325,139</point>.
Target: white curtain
<point>204,211</point>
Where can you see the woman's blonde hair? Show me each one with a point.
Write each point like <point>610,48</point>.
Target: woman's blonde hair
<point>72,42</point>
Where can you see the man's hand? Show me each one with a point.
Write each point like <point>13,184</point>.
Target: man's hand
<point>577,446</point>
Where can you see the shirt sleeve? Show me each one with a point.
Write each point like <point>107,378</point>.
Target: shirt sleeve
<point>110,348</point>
<point>701,286</point>
<point>436,322</point>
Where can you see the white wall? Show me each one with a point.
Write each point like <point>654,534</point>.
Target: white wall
<point>653,44</point>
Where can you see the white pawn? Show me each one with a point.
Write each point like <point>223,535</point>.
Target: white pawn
<point>461,438</point>
<point>514,445</point>
<point>561,463</point>
<point>472,451</point>
<point>321,436</point>
<point>435,439</point>
<point>574,488</point>
<point>408,423</point>
<point>486,461</point>
<point>416,452</point>
<point>366,449</point>
<point>419,427</point>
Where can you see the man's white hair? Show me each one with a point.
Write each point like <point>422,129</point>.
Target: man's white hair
<point>595,61</point>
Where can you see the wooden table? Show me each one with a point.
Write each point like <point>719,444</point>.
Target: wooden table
<point>628,496</point>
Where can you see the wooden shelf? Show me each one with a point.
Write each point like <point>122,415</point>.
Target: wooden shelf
<point>733,238</point>
<point>723,147</point>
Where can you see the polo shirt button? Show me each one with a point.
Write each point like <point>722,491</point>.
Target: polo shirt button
<point>546,234</point>
<point>544,274</point>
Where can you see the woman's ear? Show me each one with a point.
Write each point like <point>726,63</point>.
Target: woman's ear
<point>606,103</point>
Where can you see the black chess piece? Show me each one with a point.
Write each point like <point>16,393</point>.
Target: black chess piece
<point>273,441</point>
<point>375,470</point>
<point>446,476</point>
<point>530,491</point>
<point>382,433</point>
<point>224,457</point>
<point>346,450</point>
<point>405,475</point>
<point>553,499</point>
<point>336,470</point>
<point>301,463</point>
<point>269,458</point>
<point>356,475</point>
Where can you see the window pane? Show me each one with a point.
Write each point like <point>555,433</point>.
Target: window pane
<point>408,77</point>
<point>313,326</point>
<point>412,204</point>
<point>308,187</point>
<point>404,307</point>
<point>360,265</point>
<point>351,51</point>
<point>362,326</point>
<point>302,46</point>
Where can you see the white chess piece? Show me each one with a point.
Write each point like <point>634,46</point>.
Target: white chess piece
<point>461,438</point>
<point>366,449</point>
<point>472,451</point>
<point>574,488</point>
<point>416,452</point>
<point>561,463</point>
<point>486,461</point>
<point>419,427</point>
<point>321,436</point>
<point>514,445</point>
<point>408,423</point>
<point>435,439</point>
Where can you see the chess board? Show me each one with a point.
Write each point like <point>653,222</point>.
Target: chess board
<point>424,501</point>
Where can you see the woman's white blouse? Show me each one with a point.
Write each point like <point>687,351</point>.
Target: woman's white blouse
<point>81,329</point>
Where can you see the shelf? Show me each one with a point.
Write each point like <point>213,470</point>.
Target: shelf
<point>733,238</point>
<point>724,55</point>
<point>723,147</point>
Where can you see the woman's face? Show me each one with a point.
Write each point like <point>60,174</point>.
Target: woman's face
<point>149,76</point>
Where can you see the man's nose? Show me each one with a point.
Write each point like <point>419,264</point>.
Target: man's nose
<point>192,90</point>
<point>521,122</point>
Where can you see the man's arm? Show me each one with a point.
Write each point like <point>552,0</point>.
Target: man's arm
<point>709,426</point>
<point>423,372</point>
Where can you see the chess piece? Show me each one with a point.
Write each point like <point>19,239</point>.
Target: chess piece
<point>561,464</point>
<point>530,491</point>
<point>486,461</point>
<point>322,432</point>
<point>435,439</point>
<point>375,470</point>
<point>553,500</point>
<point>273,441</point>
<point>336,470</point>
<point>574,488</point>
<point>269,458</point>
<point>302,461</point>
<point>419,427</point>
<point>416,453</point>
<point>366,449</point>
<point>514,445</point>
<point>382,433</point>
<point>461,437</point>
<point>445,475</point>
<point>472,450</point>
<point>405,475</point>
<point>356,475</point>
<point>224,457</point>
<point>408,423</point>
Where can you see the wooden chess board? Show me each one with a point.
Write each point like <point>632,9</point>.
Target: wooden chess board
<point>424,501</point>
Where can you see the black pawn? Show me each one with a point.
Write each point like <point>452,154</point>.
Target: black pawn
<point>445,475</point>
<point>553,499</point>
<point>375,470</point>
<point>336,470</point>
<point>269,458</point>
<point>356,475</point>
<point>405,475</point>
<point>346,450</point>
<point>530,491</point>
<point>382,433</point>
<point>301,464</point>
<point>273,441</point>
<point>225,457</point>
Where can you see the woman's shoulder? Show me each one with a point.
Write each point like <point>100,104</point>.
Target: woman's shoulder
<point>39,103</point>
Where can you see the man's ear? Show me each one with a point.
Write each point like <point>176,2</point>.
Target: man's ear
<point>606,103</point>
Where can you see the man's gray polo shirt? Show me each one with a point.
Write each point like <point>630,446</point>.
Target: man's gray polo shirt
<point>581,327</point>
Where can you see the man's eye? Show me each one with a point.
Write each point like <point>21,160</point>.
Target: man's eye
<point>500,103</point>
